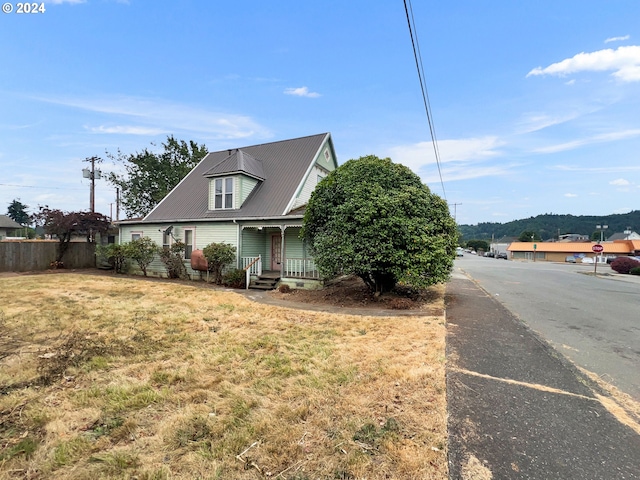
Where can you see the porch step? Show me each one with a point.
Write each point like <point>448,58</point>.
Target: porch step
<point>265,282</point>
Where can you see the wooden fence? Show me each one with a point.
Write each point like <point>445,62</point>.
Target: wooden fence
<point>36,255</point>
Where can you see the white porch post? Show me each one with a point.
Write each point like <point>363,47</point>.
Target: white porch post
<point>282,252</point>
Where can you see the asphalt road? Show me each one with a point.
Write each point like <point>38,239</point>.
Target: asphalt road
<point>593,321</point>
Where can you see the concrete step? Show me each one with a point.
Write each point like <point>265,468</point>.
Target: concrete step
<point>262,283</point>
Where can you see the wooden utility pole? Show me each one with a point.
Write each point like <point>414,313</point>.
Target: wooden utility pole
<point>92,174</point>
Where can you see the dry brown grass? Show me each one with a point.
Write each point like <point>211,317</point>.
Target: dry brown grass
<point>118,378</point>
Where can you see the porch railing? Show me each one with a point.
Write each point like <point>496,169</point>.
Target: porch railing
<point>301,268</point>
<point>251,266</point>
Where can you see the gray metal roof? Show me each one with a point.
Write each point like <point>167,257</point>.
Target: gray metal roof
<point>284,165</point>
<point>7,222</point>
<point>238,162</point>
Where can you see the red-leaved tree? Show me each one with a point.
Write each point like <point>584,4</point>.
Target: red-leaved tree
<point>64,225</point>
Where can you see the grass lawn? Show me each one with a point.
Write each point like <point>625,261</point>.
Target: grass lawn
<point>111,377</point>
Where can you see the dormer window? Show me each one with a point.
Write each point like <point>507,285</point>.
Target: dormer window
<point>223,193</point>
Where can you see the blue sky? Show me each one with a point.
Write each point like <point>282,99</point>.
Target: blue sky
<point>536,105</point>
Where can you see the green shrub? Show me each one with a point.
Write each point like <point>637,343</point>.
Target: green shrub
<point>143,251</point>
<point>218,256</point>
<point>234,278</point>
<point>114,254</point>
<point>635,271</point>
<point>172,257</point>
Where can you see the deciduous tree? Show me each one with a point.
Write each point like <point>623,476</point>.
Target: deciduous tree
<point>64,225</point>
<point>376,219</point>
<point>150,176</point>
<point>529,236</point>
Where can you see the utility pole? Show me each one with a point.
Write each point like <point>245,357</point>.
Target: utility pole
<point>117,204</point>
<point>92,174</point>
<point>455,205</point>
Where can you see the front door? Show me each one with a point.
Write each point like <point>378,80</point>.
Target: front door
<point>276,252</point>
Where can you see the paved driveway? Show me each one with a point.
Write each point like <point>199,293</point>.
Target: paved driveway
<point>594,321</point>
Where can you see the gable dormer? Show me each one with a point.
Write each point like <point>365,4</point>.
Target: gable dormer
<point>233,179</point>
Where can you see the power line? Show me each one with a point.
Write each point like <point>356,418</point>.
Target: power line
<point>423,88</point>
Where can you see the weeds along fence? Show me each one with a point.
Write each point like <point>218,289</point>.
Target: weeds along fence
<point>36,255</point>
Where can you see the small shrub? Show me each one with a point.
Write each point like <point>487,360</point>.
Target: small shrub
<point>234,278</point>
<point>284,288</point>
<point>218,256</point>
<point>114,254</point>
<point>624,264</point>
<point>635,271</point>
<point>143,251</point>
<point>172,257</point>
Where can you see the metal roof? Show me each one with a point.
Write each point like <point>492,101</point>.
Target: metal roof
<point>284,165</point>
<point>238,162</point>
<point>7,222</point>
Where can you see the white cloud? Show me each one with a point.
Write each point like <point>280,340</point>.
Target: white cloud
<point>617,39</point>
<point>465,172</point>
<point>301,92</point>
<point>571,195</point>
<point>534,122</point>
<point>602,138</point>
<point>418,155</point>
<point>624,62</point>
<point>127,130</point>
<point>156,115</point>
<point>621,182</point>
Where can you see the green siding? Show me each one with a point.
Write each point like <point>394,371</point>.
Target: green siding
<point>253,242</point>
<point>245,187</point>
<point>293,244</point>
<point>203,235</point>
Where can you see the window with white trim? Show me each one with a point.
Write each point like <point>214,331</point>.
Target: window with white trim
<point>223,193</point>
<point>136,236</point>
<point>188,242</point>
<point>166,239</point>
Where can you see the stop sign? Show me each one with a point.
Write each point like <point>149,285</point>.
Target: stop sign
<point>597,248</point>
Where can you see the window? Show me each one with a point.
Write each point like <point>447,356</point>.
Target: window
<point>166,239</point>
<point>188,243</point>
<point>223,192</point>
<point>136,236</point>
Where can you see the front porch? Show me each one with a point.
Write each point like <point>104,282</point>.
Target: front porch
<point>295,272</point>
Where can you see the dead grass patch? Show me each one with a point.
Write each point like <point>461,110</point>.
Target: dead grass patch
<point>119,378</point>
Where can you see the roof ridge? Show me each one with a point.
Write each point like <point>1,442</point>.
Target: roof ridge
<point>272,143</point>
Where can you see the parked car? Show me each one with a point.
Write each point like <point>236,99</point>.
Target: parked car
<point>502,255</point>
<point>459,252</point>
<point>489,254</point>
<point>570,259</point>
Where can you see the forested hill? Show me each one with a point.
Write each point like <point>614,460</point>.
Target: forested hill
<point>548,226</point>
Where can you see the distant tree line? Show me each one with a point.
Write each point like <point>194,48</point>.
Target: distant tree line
<point>548,226</point>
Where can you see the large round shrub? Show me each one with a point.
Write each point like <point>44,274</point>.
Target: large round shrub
<point>376,219</point>
<point>624,264</point>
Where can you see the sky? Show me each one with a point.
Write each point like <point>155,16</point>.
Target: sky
<point>535,105</point>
